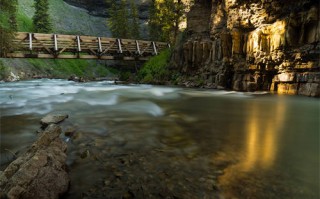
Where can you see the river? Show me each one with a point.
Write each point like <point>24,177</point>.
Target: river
<point>144,141</point>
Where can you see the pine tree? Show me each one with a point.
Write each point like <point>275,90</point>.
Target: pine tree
<point>119,20</point>
<point>134,21</point>
<point>41,18</point>
<point>124,20</point>
<point>154,21</point>
<point>8,24</point>
<point>164,19</point>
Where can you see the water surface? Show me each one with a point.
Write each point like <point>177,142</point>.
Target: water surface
<point>187,143</point>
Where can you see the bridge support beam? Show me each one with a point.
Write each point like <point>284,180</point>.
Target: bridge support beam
<point>30,41</point>
<point>78,44</point>
<point>119,46</point>
<point>154,48</point>
<point>99,45</point>
<point>138,48</point>
<point>55,43</point>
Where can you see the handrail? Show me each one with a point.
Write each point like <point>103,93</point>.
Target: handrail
<point>61,46</point>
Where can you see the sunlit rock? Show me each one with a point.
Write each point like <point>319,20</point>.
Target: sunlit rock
<point>13,77</point>
<point>275,40</point>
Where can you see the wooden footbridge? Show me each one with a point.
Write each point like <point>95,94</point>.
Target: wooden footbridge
<point>58,46</point>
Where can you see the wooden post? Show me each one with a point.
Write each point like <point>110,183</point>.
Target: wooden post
<point>78,42</point>
<point>169,46</point>
<point>138,47</point>
<point>30,41</point>
<point>55,43</point>
<point>119,46</point>
<point>99,45</point>
<point>154,48</point>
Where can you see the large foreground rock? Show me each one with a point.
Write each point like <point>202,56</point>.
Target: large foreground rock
<point>39,173</point>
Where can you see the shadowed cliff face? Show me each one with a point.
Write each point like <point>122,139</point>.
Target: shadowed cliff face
<point>253,45</point>
<point>100,7</point>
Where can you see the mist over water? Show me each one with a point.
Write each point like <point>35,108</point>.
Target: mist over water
<point>268,145</point>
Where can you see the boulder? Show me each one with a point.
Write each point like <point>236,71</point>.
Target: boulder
<point>309,89</point>
<point>40,172</point>
<point>13,77</point>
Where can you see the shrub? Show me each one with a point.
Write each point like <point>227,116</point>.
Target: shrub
<point>155,70</point>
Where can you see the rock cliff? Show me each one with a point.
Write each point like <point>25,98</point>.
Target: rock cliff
<point>100,7</point>
<point>249,45</point>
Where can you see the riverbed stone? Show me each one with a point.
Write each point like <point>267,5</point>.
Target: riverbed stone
<point>40,172</point>
<point>53,119</point>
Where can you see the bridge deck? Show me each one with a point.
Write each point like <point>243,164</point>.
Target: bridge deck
<point>57,46</point>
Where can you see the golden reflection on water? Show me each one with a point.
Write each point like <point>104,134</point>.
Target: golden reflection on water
<point>258,151</point>
<point>262,137</point>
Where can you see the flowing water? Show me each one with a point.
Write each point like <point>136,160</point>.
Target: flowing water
<point>147,141</point>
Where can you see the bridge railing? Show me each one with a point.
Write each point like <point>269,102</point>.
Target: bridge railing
<point>38,45</point>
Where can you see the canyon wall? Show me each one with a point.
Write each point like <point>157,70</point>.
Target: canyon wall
<point>249,45</point>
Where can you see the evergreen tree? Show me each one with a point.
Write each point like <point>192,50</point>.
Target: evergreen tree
<point>165,18</point>
<point>8,24</point>
<point>41,18</point>
<point>124,20</point>
<point>119,20</point>
<point>134,21</point>
<point>154,21</point>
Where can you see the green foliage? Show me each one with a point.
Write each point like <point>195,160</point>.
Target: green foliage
<point>24,23</point>
<point>134,21</point>
<point>164,19</point>
<point>41,18</point>
<point>122,23</point>
<point>8,24</point>
<point>3,71</point>
<point>155,69</point>
<point>176,78</point>
<point>119,19</point>
<point>64,68</point>
<point>125,76</point>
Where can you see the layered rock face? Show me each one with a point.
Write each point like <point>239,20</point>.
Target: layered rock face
<point>100,7</point>
<point>253,45</point>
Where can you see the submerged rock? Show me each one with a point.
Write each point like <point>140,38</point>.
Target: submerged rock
<point>40,172</point>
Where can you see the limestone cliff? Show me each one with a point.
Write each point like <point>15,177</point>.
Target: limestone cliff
<point>249,45</point>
